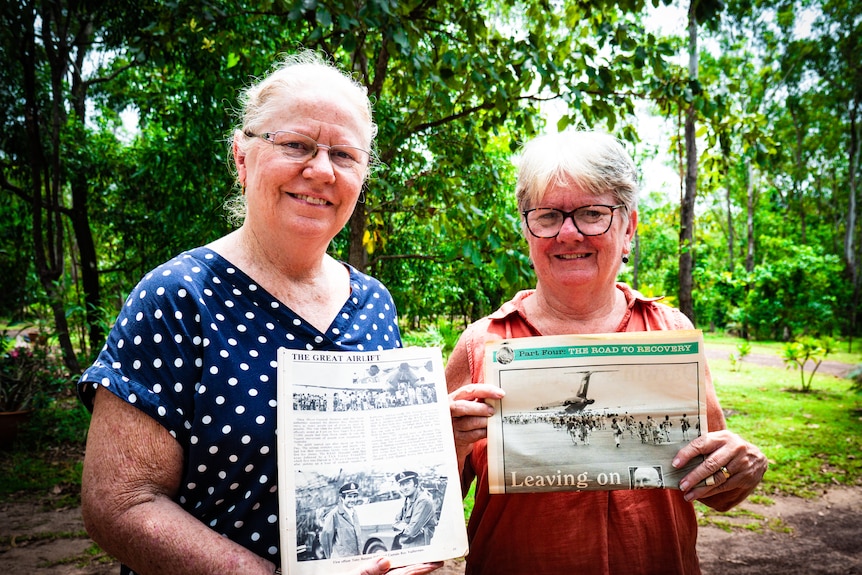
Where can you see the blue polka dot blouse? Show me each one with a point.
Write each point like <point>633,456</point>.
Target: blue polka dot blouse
<point>194,347</point>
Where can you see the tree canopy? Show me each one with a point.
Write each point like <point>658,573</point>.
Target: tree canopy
<point>456,88</point>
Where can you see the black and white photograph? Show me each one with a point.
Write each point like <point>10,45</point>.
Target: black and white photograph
<point>584,421</point>
<point>353,512</point>
<point>366,465</point>
<point>379,385</point>
<point>647,477</point>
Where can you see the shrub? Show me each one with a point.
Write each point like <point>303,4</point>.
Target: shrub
<point>805,349</point>
<point>29,375</point>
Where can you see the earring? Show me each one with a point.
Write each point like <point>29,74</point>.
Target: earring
<point>242,190</point>
<point>625,259</point>
<point>361,199</point>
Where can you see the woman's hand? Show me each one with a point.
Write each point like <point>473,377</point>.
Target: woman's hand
<point>731,467</point>
<point>470,414</point>
<point>380,565</point>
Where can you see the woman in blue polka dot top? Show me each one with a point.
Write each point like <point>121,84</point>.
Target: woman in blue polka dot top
<point>180,469</point>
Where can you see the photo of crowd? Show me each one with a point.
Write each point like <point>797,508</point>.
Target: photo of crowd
<point>374,387</point>
<point>645,429</point>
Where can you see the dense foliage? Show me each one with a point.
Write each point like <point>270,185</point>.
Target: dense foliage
<point>89,205</point>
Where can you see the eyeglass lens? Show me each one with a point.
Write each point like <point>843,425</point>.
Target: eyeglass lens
<point>302,148</point>
<point>589,220</point>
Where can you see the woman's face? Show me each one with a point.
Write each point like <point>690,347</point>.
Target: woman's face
<point>573,260</point>
<point>310,199</point>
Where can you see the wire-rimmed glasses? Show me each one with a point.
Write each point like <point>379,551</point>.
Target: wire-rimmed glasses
<point>301,148</point>
<point>593,220</point>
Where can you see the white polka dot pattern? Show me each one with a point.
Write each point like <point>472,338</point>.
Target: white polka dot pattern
<point>194,347</point>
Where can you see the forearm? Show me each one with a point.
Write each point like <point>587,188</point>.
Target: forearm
<point>157,537</point>
<point>462,452</point>
<point>132,471</point>
<point>467,474</point>
<point>468,409</point>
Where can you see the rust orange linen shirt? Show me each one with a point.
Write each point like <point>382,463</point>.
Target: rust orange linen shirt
<point>580,533</point>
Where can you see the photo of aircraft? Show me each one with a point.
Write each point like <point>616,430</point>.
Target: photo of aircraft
<point>580,401</point>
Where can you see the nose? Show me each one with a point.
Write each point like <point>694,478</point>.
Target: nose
<point>568,227</point>
<point>320,165</point>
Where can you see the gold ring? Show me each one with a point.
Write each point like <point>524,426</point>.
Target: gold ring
<point>725,472</point>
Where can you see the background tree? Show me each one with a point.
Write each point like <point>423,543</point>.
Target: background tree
<point>838,65</point>
<point>47,44</point>
<point>451,83</point>
<point>699,12</point>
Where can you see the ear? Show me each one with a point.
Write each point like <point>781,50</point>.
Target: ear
<point>630,229</point>
<point>239,157</point>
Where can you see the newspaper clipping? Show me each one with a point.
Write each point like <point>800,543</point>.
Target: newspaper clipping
<point>594,412</point>
<point>367,463</point>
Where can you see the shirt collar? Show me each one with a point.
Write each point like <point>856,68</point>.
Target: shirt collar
<point>516,304</point>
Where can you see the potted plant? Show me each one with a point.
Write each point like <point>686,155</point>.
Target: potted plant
<point>25,375</point>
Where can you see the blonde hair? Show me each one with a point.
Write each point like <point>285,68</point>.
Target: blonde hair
<point>593,161</point>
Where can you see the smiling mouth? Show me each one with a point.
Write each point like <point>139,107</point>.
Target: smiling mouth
<point>310,200</point>
<point>572,256</point>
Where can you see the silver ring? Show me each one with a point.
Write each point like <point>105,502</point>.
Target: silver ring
<point>725,472</point>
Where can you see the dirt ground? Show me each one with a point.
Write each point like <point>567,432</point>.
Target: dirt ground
<point>793,536</point>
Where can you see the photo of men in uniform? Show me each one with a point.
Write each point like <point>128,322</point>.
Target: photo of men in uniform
<point>416,521</point>
<point>341,533</point>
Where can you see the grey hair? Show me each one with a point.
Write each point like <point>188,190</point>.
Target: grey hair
<point>295,74</point>
<point>594,161</point>
<point>306,70</point>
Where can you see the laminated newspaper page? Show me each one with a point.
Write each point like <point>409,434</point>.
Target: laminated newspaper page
<point>366,460</point>
<point>594,412</point>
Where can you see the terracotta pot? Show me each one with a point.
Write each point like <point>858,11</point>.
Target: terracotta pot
<point>10,424</point>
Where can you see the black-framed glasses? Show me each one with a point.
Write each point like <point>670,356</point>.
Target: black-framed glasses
<point>592,220</point>
<point>301,148</point>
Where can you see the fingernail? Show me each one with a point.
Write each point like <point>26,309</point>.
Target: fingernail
<point>683,485</point>
<point>675,462</point>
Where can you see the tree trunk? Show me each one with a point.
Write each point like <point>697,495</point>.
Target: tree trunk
<point>749,217</point>
<point>730,235</point>
<point>89,265</point>
<point>357,256</point>
<point>46,181</point>
<point>853,157</point>
<point>686,231</point>
<point>849,251</point>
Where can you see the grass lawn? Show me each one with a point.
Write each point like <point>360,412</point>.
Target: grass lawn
<point>811,439</point>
